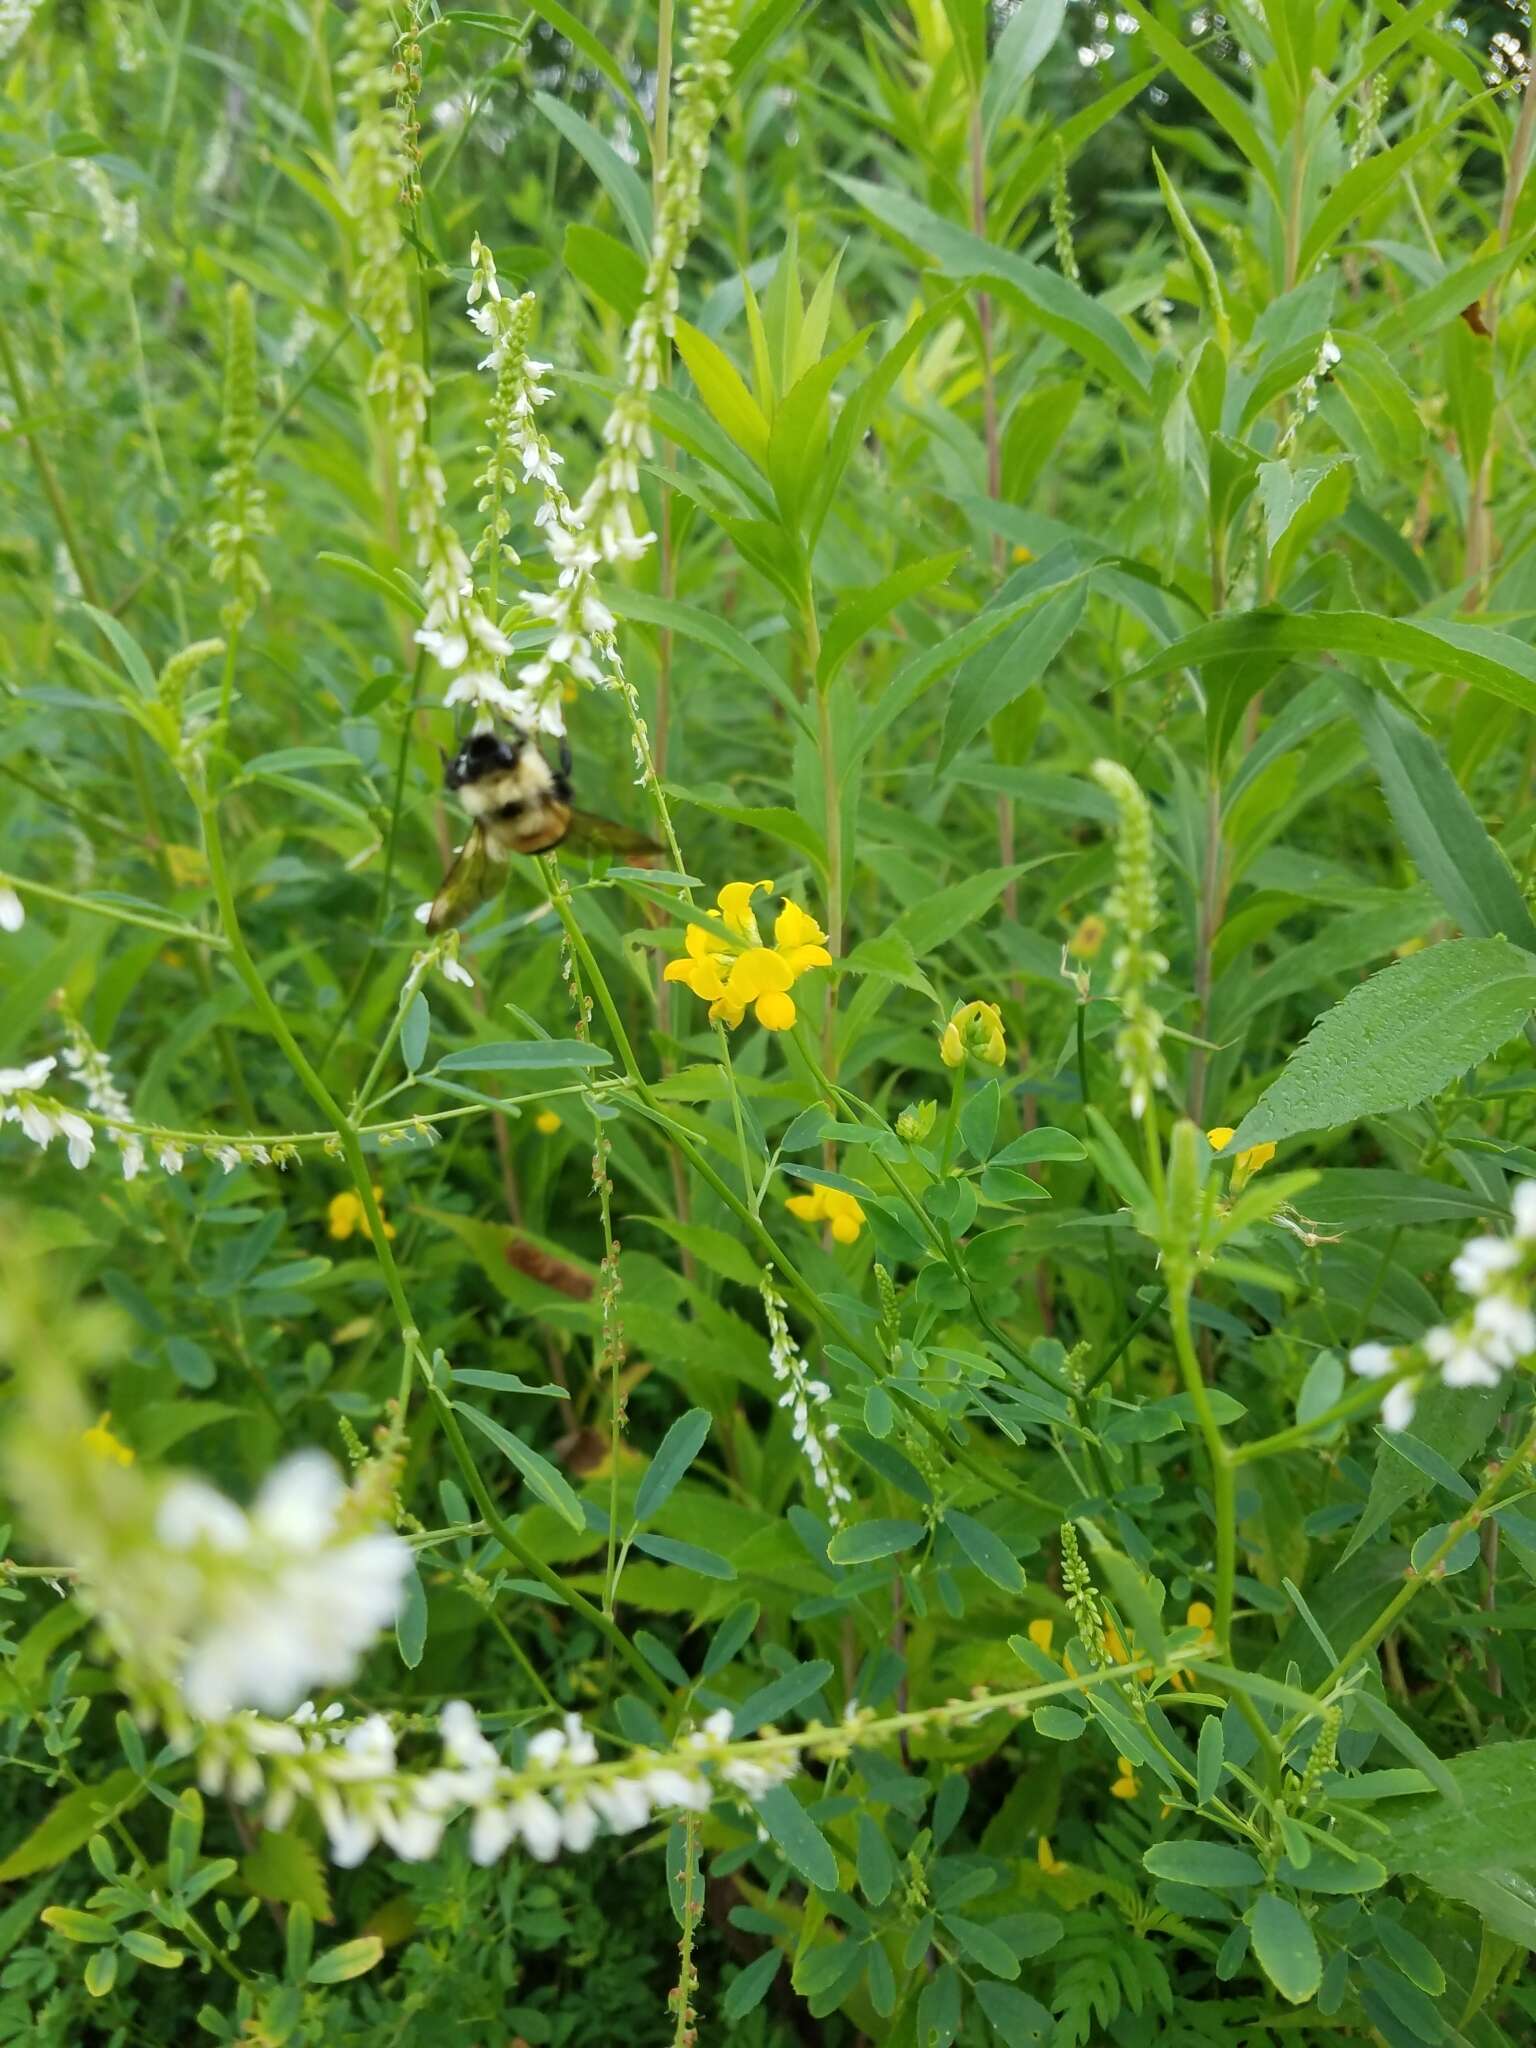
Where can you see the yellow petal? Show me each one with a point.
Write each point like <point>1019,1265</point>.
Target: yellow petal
<point>701,942</point>
<point>775,1011</point>
<point>757,972</point>
<point>1221,1137</point>
<point>547,1122</point>
<point>845,1229</point>
<point>735,901</point>
<point>801,959</point>
<point>725,1010</point>
<point>1198,1615</point>
<point>344,1213</point>
<point>1040,1632</point>
<point>795,927</point>
<point>807,1207</point>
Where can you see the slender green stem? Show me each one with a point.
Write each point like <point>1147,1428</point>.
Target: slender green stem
<point>119,912</point>
<point>1218,1457</point>
<point>507,1537</point>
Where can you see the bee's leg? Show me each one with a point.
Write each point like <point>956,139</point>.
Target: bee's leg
<point>563,780</point>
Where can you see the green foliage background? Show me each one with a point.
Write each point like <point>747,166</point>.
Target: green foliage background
<point>1175,412</point>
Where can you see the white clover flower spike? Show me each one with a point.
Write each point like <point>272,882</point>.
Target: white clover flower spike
<point>1476,1348</point>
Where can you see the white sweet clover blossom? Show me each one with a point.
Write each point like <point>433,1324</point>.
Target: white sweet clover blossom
<point>1480,1346</point>
<point>558,1796</point>
<point>803,1396</point>
<point>42,1117</point>
<point>92,1069</point>
<point>1132,906</point>
<point>580,648</point>
<point>455,631</point>
<point>12,912</point>
<point>15,20</point>
<point>118,218</point>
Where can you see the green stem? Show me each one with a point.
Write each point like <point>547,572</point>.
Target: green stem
<point>48,894</point>
<point>1218,1457</point>
<point>509,1541</point>
<point>47,476</point>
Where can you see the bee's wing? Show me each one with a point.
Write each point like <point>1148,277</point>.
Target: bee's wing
<point>473,877</point>
<point>588,834</point>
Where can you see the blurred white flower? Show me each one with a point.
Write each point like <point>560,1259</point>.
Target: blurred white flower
<point>12,914</point>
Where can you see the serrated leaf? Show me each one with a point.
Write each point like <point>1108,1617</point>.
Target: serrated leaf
<point>1398,1038</point>
<point>286,1868</point>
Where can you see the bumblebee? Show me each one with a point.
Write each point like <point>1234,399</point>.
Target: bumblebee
<point>517,803</point>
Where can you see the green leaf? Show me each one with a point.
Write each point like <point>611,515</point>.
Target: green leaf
<point>630,198</point>
<point>1285,490</point>
<point>1045,1142</point>
<point>1021,49</point>
<point>859,611</point>
<point>933,919</point>
<point>876,1863</point>
<point>678,1449</point>
<point>541,1477</point>
<point>1461,1556</point>
<point>411,1621</point>
<point>1495,662</point>
<point>580,37</point>
<point>77,1926</point>
<point>726,398</point>
<point>606,266</point>
<point>351,1959</point>
<point>1443,834</point>
<point>523,1055</point>
<point>748,1991</point>
<point>1286,1947</point>
<point>1061,307</point>
<point>688,1557</point>
<point>1398,1038</point>
<point>983,1946</point>
<point>149,1948</point>
<point>779,1696</point>
<point>71,1823</point>
<point>414,1032</point>
<point>695,623</point>
<point>1199,259</point>
<point>797,444</point>
<point>990,1555</point>
<point>1219,100</point>
<point>863,1542</point>
<point>797,1837</point>
<point>127,649</point>
<point>286,1868</point>
<point>1210,1759</point>
<point>1018,2020</point>
<point>999,674</point>
<point>1216,1865</point>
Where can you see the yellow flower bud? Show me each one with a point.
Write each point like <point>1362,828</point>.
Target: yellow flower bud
<point>1087,942</point>
<point>974,1028</point>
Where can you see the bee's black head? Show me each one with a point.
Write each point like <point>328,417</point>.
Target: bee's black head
<point>482,754</point>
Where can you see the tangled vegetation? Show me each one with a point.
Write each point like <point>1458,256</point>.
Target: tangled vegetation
<point>768,1254</point>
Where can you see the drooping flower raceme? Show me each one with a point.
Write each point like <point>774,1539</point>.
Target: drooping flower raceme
<point>803,1396</point>
<point>241,518</point>
<point>1497,1333</point>
<point>1132,906</point>
<point>581,646</point>
<point>92,1069</point>
<point>559,1795</point>
<point>43,1118</point>
<point>732,968</point>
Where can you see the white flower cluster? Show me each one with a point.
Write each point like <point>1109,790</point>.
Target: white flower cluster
<point>15,20</point>
<point>560,1796</point>
<point>1132,906</point>
<point>119,218</point>
<point>455,629</point>
<point>42,1118</point>
<point>1499,1274</point>
<point>803,1396</point>
<point>580,648</point>
<point>92,1069</point>
<point>702,82</point>
<point>256,1608</point>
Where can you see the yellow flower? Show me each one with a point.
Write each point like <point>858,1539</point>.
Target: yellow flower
<point>346,1214</point>
<point>1246,1164</point>
<point>732,969</point>
<point>1022,554</point>
<point>831,1206</point>
<point>1048,1862</point>
<point>1127,1785</point>
<point>100,1440</point>
<point>1087,941</point>
<point>1198,1615</point>
<point>973,1028</point>
<point>1040,1633</point>
<point>546,1122</point>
